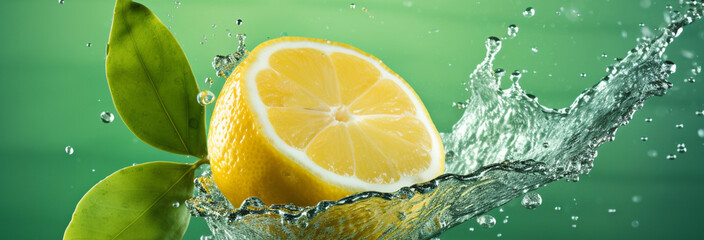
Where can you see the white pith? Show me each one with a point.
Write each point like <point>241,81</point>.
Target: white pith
<point>350,183</point>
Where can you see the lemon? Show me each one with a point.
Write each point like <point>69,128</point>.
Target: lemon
<point>302,120</point>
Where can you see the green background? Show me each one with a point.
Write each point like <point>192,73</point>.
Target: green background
<point>54,89</point>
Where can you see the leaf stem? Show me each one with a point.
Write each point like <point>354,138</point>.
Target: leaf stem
<point>202,161</point>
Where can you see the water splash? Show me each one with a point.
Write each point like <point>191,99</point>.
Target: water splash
<point>506,144</point>
<point>224,65</point>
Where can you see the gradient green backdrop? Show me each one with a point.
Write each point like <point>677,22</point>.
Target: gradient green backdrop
<point>54,89</point>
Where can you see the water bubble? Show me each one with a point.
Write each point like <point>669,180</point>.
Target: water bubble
<point>205,97</point>
<point>648,120</point>
<point>107,117</point>
<point>635,224</point>
<point>700,132</point>
<point>636,198</point>
<point>209,81</point>
<point>238,22</point>
<point>534,50</point>
<point>529,12</point>
<point>558,208</point>
<point>69,150</point>
<point>644,139</point>
<point>176,204</point>
<point>679,125</point>
<point>89,44</point>
<point>512,30</point>
<point>531,200</point>
<point>612,210</point>
<point>671,157</point>
<point>486,221</point>
<point>583,75</point>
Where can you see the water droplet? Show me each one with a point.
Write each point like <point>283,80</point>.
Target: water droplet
<point>493,44</point>
<point>583,75</point>
<point>603,55</point>
<point>648,120</point>
<point>214,26</point>
<point>529,12</point>
<point>558,208</point>
<point>535,50</point>
<point>107,117</point>
<point>501,210</point>
<point>177,4</point>
<point>574,218</point>
<point>681,148</point>
<point>652,153</point>
<point>700,132</point>
<point>531,200</point>
<point>61,1</point>
<point>574,225</point>
<point>89,44</point>
<point>644,139</point>
<point>209,81</point>
<point>353,6</point>
<point>206,237</point>
<point>499,235</point>
<point>505,221</point>
<point>635,224</point>
<point>364,9</point>
<point>636,198</point>
<point>690,80</point>
<point>641,24</point>
<point>515,76</point>
<point>669,67</point>
<point>671,157</point>
<point>612,210</point>
<point>176,204</point>
<point>69,150</point>
<point>486,221</point>
<point>205,97</point>
<point>471,229</point>
<point>238,22</point>
<point>679,125</point>
<point>459,105</point>
<point>512,30</point>
<point>92,170</point>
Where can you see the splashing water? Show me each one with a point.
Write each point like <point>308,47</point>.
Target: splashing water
<point>224,65</point>
<point>505,145</point>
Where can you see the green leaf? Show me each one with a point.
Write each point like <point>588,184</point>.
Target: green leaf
<point>152,84</point>
<point>136,202</point>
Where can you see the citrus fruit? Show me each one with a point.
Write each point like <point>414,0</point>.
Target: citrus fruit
<point>302,120</point>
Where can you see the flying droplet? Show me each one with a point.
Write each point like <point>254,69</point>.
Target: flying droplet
<point>529,12</point>
<point>671,157</point>
<point>603,55</point>
<point>636,198</point>
<point>353,6</point>
<point>61,1</point>
<point>644,139</point>
<point>681,148</point>
<point>558,208</point>
<point>700,132</point>
<point>176,204</point>
<point>238,22</point>
<point>92,170</point>
<point>69,150</point>
<point>471,229</point>
<point>535,50</point>
<point>652,153</point>
<point>515,76</point>
<point>583,75</point>
<point>209,81</point>
<point>459,105</point>
<point>107,117</point>
<point>575,218</point>
<point>648,120</point>
<point>690,80</point>
<point>205,97</point>
<point>89,44</point>
<point>679,125</point>
<point>486,221</point>
<point>635,224</point>
<point>512,30</point>
<point>612,210</point>
<point>531,200</point>
<point>499,235</point>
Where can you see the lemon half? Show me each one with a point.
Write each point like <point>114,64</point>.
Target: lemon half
<point>302,120</point>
